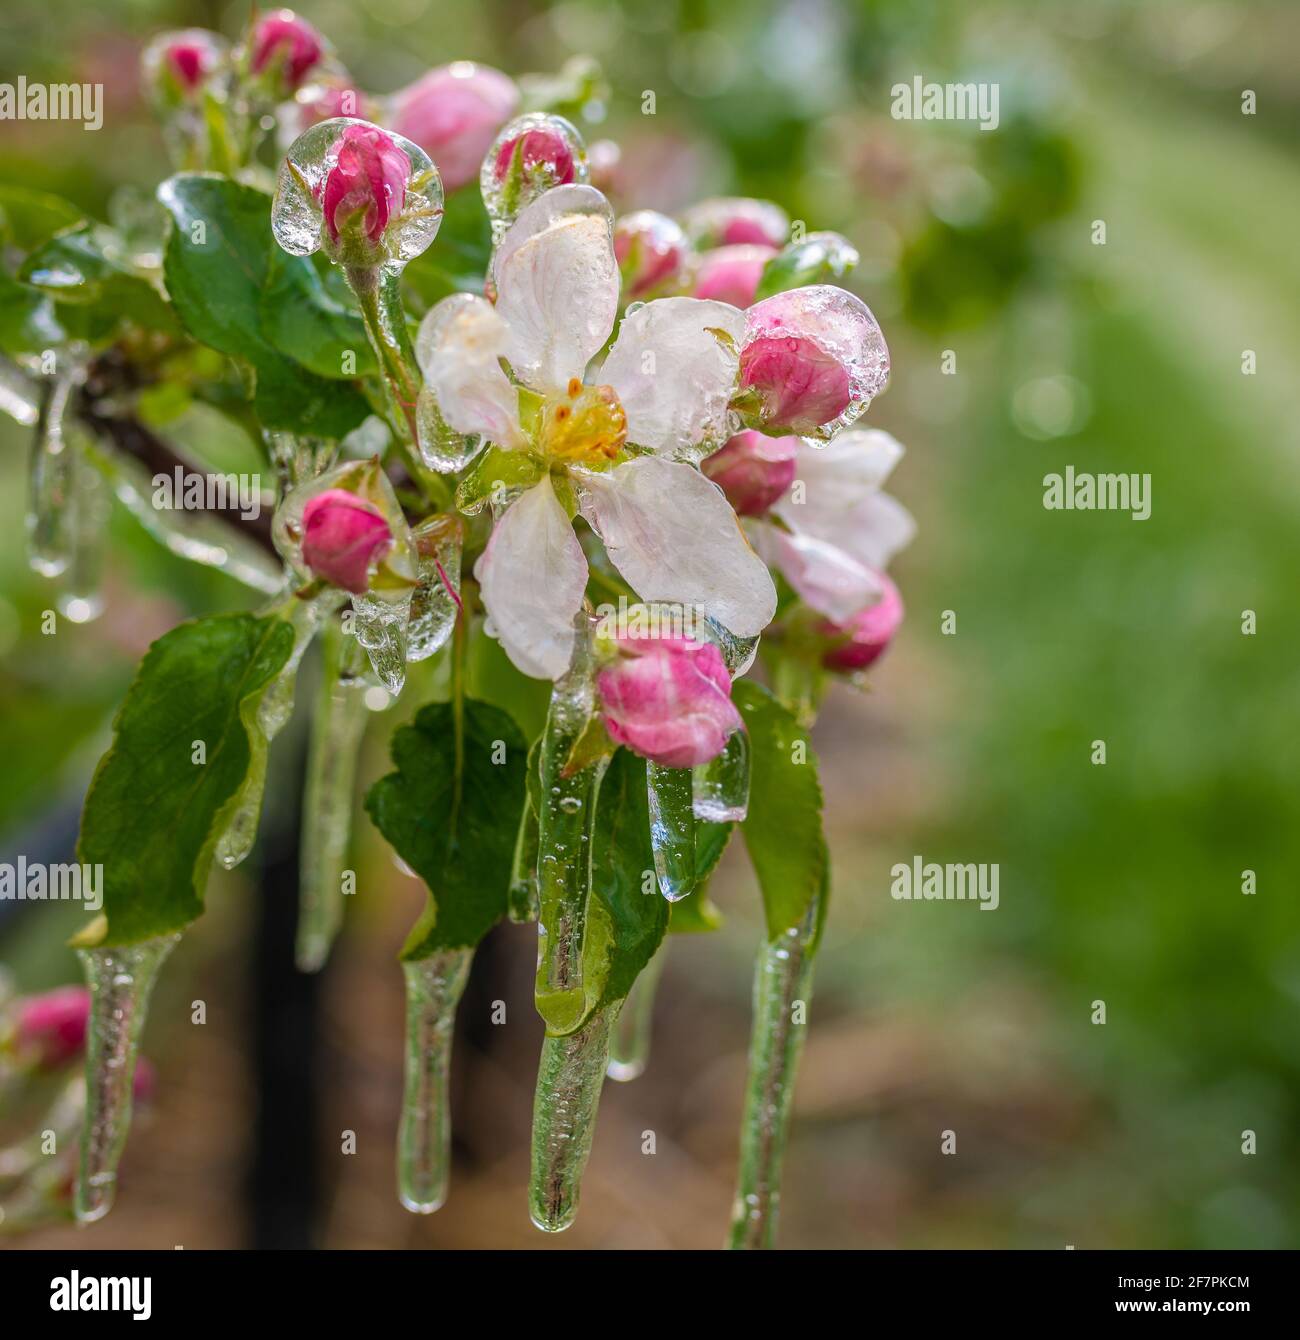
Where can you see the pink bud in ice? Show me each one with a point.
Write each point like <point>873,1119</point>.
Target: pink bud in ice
<point>177,65</point>
<point>862,639</point>
<point>731,274</point>
<point>736,221</point>
<point>188,62</point>
<point>343,538</point>
<point>51,1028</point>
<point>811,361</point>
<point>651,251</point>
<point>541,151</point>
<point>288,46</point>
<point>453,113</point>
<point>753,470</point>
<point>368,180</point>
<point>668,699</point>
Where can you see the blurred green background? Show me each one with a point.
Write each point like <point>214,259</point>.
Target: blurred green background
<point>1120,883</point>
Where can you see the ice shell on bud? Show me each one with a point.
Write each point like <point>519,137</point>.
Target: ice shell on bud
<point>343,539</point>
<point>812,360</point>
<point>753,470</point>
<point>50,1028</point>
<point>651,251</point>
<point>176,65</point>
<point>736,221</point>
<point>453,113</point>
<point>731,274</point>
<point>345,165</point>
<point>668,699</point>
<point>285,48</point>
<point>863,638</point>
<point>532,154</point>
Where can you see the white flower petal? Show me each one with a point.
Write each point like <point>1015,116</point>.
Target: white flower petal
<point>672,534</point>
<point>832,480</point>
<point>674,376</point>
<point>823,576</point>
<point>460,345</point>
<point>533,575</point>
<point>557,285</point>
<point>877,529</point>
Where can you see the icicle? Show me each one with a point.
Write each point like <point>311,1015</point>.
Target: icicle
<point>20,395</point>
<point>564,838</point>
<point>51,520</point>
<point>80,599</point>
<point>120,978</point>
<point>273,711</point>
<point>337,726</point>
<point>629,1048</point>
<point>436,601</point>
<point>569,1079</point>
<point>782,977</point>
<point>672,829</point>
<point>523,905</point>
<point>722,784</point>
<point>433,990</point>
<point>381,629</point>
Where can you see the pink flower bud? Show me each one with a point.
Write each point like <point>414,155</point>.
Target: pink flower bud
<point>731,274</point>
<point>288,45</point>
<point>343,538</point>
<point>800,385</point>
<point>540,150</point>
<point>453,113</point>
<point>668,699</point>
<point>862,639</point>
<point>736,221</point>
<point>651,252</point>
<point>188,62</point>
<point>753,470</point>
<point>52,1027</point>
<point>369,178</point>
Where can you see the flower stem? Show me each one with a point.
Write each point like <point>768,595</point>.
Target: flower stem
<point>782,991</point>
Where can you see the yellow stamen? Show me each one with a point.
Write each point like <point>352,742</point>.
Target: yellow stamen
<point>588,426</point>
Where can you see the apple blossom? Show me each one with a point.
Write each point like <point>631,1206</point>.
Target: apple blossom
<point>652,252</point>
<point>284,49</point>
<point>732,274</point>
<point>51,1028</point>
<point>532,154</point>
<point>736,221</point>
<point>753,470</point>
<point>861,639</point>
<point>344,538</point>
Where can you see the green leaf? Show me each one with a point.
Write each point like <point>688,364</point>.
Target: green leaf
<point>84,266</point>
<point>452,814</point>
<point>28,324</point>
<point>783,829</point>
<point>312,317</point>
<point>28,218</point>
<point>218,261</point>
<point>153,816</point>
<point>458,259</point>
<point>819,258</point>
<point>696,912</point>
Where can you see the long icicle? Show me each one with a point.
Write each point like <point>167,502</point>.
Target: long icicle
<point>629,1048</point>
<point>51,514</point>
<point>338,723</point>
<point>120,978</point>
<point>569,1079</point>
<point>782,979</point>
<point>669,796</point>
<point>433,990</point>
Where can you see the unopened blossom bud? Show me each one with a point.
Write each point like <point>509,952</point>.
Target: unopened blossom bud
<point>668,699</point>
<point>532,154</point>
<point>51,1028</point>
<point>453,113</point>
<point>862,639</point>
<point>731,274</point>
<point>539,151</point>
<point>343,539</point>
<point>811,361</point>
<point>177,65</point>
<point>753,470</point>
<point>366,187</point>
<point>651,251</point>
<point>284,49</point>
<point>736,221</point>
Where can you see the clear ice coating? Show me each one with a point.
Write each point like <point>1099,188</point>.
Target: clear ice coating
<point>732,220</point>
<point>737,652</point>
<point>338,723</point>
<point>532,154</point>
<point>120,978</point>
<point>79,597</point>
<point>840,325</point>
<point>523,904</point>
<point>436,601</point>
<point>813,259</point>
<point>381,629</point>
<point>565,825</point>
<point>672,828</point>
<point>20,395</point>
<point>51,515</point>
<point>298,460</point>
<point>569,1079</point>
<point>296,216</point>
<point>433,990</point>
<point>629,1047</point>
<point>783,975</point>
<point>722,784</point>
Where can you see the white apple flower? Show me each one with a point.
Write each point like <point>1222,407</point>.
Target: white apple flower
<point>837,529</point>
<point>664,389</point>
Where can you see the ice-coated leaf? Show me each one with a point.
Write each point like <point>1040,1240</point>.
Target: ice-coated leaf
<point>153,814</point>
<point>817,258</point>
<point>783,830</point>
<point>28,218</point>
<point>216,265</point>
<point>312,318</point>
<point>451,812</point>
